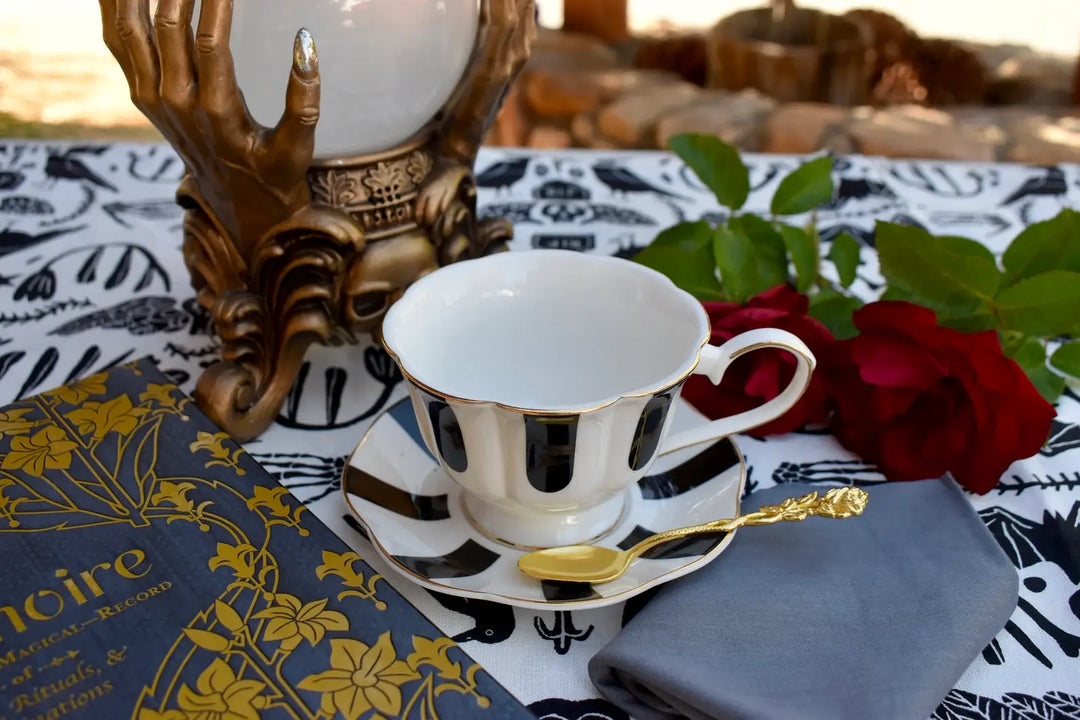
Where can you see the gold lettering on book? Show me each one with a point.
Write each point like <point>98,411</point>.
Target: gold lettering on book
<point>74,701</point>
<point>41,693</point>
<point>109,611</point>
<point>13,656</point>
<point>48,603</point>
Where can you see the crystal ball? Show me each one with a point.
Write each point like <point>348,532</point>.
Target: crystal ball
<point>387,66</point>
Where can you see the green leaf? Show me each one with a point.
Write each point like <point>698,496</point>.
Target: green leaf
<point>693,272</point>
<point>845,255</point>
<point>1028,352</point>
<point>834,311</point>
<point>1067,359</point>
<point>1044,305</point>
<point>1049,384</point>
<point>900,294</point>
<point>751,256</point>
<point>1045,246</point>
<point>717,164</point>
<point>953,276</point>
<point>684,253</point>
<point>687,236</point>
<point>804,189</point>
<point>803,249</point>
<point>980,322</point>
<point>967,246</point>
<point>965,322</point>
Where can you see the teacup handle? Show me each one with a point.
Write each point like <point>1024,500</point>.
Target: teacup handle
<point>715,360</point>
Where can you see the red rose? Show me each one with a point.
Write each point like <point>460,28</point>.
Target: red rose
<point>759,376</point>
<point>919,399</point>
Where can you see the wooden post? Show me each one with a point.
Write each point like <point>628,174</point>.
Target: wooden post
<point>605,19</point>
<point>1076,83</point>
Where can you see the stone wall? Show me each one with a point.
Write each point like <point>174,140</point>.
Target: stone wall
<point>578,92</point>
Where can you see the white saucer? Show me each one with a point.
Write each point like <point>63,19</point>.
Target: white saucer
<point>413,515</point>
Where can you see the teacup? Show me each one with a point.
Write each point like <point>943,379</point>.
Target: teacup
<point>544,382</point>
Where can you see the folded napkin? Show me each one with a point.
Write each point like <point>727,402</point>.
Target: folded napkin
<point>872,617</point>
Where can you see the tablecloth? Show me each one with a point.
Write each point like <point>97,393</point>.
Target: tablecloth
<point>91,275</point>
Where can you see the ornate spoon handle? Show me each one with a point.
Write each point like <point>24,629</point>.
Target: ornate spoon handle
<point>837,503</point>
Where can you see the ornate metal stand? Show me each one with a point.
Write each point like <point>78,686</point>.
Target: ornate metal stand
<point>284,251</point>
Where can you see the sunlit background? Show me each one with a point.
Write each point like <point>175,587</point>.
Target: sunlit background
<point>54,68</point>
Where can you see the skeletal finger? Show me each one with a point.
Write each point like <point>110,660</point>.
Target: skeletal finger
<point>108,30</point>
<point>219,95</point>
<point>112,40</point>
<point>134,38</point>
<point>294,136</point>
<point>505,13</point>
<point>172,33</point>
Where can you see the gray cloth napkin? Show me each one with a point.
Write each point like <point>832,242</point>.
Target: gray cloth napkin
<point>871,617</point>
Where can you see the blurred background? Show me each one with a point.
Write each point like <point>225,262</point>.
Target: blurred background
<point>965,79</point>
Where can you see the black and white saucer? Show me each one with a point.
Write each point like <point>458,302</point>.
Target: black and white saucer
<point>414,517</point>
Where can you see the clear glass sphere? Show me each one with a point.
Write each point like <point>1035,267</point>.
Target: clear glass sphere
<point>387,66</point>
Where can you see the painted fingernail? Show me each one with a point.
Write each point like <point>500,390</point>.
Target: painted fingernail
<point>304,54</point>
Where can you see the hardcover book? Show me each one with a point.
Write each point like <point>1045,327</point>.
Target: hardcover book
<point>153,570</point>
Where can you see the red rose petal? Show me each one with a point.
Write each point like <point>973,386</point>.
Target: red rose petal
<point>886,403</point>
<point>903,317</point>
<point>770,374</point>
<point>891,362</point>
<point>899,456</point>
<point>747,318</point>
<point>782,297</point>
<point>715,309</point>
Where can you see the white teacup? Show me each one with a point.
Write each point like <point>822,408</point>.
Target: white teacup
<point>544,382</point>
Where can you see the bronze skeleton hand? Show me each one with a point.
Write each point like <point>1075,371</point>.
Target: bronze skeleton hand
<point>249,178</point>
<point>277,271</point>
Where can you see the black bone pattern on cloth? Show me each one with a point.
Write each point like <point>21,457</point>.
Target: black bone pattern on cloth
<point>562,632</point>
<point>494,622</point>
<point>91,275</point>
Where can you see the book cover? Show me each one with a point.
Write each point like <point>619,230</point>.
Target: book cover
<point>152,570</point>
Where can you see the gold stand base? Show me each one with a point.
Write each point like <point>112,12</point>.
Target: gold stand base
<point>329,273</point>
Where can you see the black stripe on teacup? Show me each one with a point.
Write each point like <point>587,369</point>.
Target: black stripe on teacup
<point>550,442</point>
<point>682,548</point>
<point>468,560</point>
<point>448,437</point>
<point>647,434</point>
<point>418,507</point>
<point>560,591</point>
<point>698,470</point>
<point>402,412</point>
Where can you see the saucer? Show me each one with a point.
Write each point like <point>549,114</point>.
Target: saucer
<point>415,518</point>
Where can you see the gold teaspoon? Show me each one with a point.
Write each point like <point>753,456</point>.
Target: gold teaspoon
<point>595,564</point>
